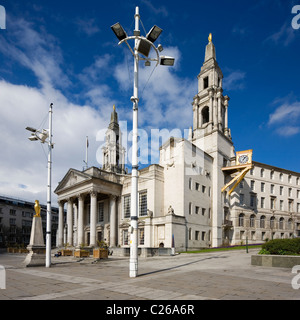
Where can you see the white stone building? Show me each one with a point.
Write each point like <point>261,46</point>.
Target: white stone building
<point>180,198</point>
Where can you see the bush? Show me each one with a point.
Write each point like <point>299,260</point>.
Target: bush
<point>281,247</point>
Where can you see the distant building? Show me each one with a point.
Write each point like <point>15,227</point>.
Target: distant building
<point>180,198</point>
<point>16,220</point>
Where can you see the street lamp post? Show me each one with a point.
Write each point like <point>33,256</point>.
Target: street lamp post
<point>142,46</point>
<point>42,136</point>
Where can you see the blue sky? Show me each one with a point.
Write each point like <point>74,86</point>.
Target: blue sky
<point>65,52</point>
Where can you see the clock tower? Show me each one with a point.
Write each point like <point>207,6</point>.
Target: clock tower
<point>211,132</point>
<point>113,151</point>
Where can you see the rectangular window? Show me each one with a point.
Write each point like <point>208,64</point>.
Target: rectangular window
<point>100,211</point>
<point>291,205</point>
<point>12,212</point>
<point>272,204</point>
<point>143,203</point>
<point>262,202</point>
<point>197,186</point>
<point>252,185</point>
<point>197,210</point>
<point>205,83</point>
<point>141,237</point>
<point>126,207</point>
<point>262,188</point>
<point>281,205</point>
<point>281,190</point>
<point>203,189</point>
<point>272,188</point>
<point>125,237</point>
<point>190,208</point>
<point>203,211</point>
<point>241,198</point>
<point>203,236</point>
<point>197,234</point>
<point>190,233</point>
<point>253,200</point>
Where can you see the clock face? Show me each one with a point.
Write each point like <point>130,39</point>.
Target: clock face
<point>243,159</point>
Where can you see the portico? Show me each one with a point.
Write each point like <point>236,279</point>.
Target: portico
<point>92,199</point>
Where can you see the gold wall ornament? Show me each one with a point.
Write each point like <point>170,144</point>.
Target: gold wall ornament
<point>243,165</point>
<point>37,208</point>
<point>210,37</point>
<point>244,157</point>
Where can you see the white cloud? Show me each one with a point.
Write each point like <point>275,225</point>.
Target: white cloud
<point>24,163</point>
<point>87,26</point>
<point>288,131</point>
<point>285,119</point>
<point>23,170</point>
<point>234,80</point>
<point>35,51</point>
<point>165,98</point>
<point>285,112</point>
<point>284,36</point>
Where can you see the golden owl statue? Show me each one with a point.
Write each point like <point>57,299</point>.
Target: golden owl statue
<point>37,208</point>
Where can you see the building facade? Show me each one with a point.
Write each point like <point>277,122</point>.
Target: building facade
<point>180,199</point>
<point>16,220</point>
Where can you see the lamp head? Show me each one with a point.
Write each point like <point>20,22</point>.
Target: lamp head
<point>154,33</point>
<point>119,31</point>
<point>33,137</point>
<point>167,61</point>
<point>30,129</point>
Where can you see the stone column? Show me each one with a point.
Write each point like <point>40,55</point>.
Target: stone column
<point>93,219</point>
<point>211,108</point>
<point>226,114</point>
<point>75,238</point>
<point>219,111</point>
<point>80,240</point>
<point>60,224</point>
<point>113,221</point>
<point>215,107</point>
<point>70,222</point>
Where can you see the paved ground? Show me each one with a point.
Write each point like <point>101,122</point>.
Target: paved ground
<point>206,276</point>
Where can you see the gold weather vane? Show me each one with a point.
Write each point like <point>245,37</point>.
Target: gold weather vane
<point>114,107</point>
<point>210,37</point>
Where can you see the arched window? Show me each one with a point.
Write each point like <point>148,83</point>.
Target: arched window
<point>272,222</point>
<point>205,115</point>
<point>290,223</point>
<point>241,219</point>
<point>262,221</point>
<point>281,221</point>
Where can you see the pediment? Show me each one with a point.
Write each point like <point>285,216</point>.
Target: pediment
<point>72,178</point>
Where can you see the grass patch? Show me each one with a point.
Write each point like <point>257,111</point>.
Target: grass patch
<point>243,247</point>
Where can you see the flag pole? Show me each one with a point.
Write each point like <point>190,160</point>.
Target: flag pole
<point>86,153</point>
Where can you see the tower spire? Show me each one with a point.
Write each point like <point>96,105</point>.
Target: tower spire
<point>210,51</point>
